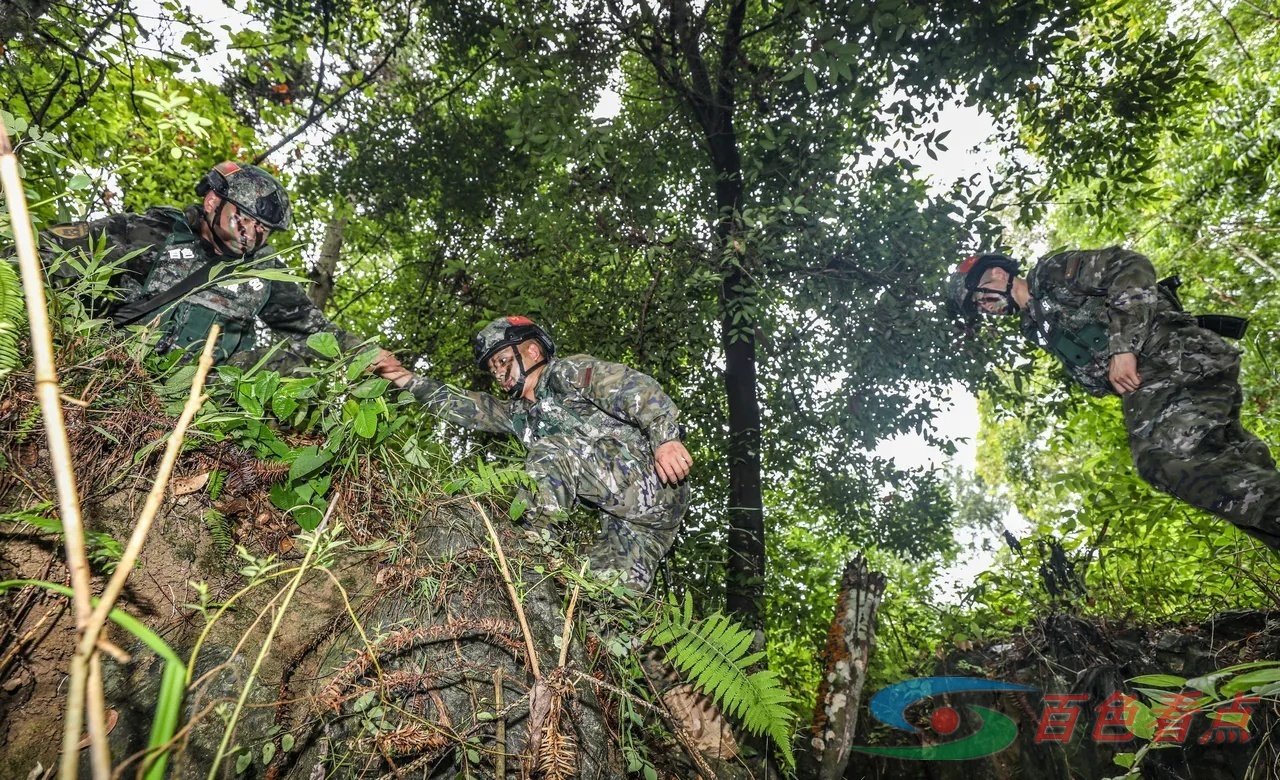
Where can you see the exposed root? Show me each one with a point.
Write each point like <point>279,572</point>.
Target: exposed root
<point>501,632</point>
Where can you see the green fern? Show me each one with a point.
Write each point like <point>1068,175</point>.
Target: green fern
<point>217,478</point>
<point>713,654</point>
<point>488,478</point>
<point>220,531</point>
<point>12,316</point>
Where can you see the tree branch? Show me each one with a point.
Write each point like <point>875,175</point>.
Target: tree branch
<point>314,115</point>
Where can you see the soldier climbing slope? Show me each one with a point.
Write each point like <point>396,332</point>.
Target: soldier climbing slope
<point>1117,331</point>
<point>598,433</point>
<point>170,254</point>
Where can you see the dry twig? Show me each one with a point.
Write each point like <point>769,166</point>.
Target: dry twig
<point>511,590</point>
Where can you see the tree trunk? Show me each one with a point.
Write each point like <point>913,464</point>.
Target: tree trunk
<point>849,644</point>
<point>745,571</point>
<point>330,252</point>
<point>710,98</point>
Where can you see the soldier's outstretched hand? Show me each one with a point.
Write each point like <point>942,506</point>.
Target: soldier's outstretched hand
<point>1124,372</point>
<point>672,461</point>
<point>388,367</point>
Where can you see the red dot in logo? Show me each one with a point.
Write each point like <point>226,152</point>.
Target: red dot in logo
<point>944,720</point>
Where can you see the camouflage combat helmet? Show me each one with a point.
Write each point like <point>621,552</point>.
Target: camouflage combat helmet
<point>512,331</point>
<point>964,281</point>
<point>255,191</point>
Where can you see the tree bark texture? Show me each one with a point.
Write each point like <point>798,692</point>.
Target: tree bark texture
<point>330,252</point>
<point>844,662</point>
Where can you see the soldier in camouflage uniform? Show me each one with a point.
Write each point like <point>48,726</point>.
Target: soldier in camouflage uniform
<point>598,433</point>
<point>1116,331</point>
<point>242,204</point>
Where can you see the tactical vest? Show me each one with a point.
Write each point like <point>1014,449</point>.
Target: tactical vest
<point>234,307</point>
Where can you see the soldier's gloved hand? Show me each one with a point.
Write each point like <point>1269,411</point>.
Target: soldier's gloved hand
<point>388,367</point>
<point>1124,372</point>
<point>672,462</point>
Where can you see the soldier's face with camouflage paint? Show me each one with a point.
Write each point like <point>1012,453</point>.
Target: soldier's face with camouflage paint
<point>986,296</point>
<point>240,232</point>
<point>506,371</point>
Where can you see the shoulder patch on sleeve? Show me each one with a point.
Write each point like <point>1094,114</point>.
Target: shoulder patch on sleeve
<point>71,232</point>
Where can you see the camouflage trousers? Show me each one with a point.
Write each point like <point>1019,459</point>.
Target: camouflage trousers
<point>1186,439</point>
<point>639,515</point>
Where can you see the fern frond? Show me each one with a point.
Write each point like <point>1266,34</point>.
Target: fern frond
<point>220,531</point>
<point>714,654</point>
<point>12,317</point>
<point>217,478</point>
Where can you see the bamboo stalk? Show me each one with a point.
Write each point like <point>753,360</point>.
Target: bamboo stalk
<point>511,590</point>
<point>87,649</point>
<point>47,391</point>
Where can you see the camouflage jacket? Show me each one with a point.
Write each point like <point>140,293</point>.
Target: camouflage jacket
<point>162,248</point>
<point>1089,305</point>
<point>578,397</point>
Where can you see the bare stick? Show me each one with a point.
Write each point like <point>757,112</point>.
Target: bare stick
<point>511,590</point>
<point>56,430</point>
<point>99,750</point>
<point>568,618</point>
<point>500,760</point>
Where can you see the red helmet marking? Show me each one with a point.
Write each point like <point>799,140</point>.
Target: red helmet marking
<point>967,263</point>
<point>516,319</point>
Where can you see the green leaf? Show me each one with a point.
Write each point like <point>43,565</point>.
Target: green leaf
<point>367,421</point>
<point>324,343</point>
<point>243,761</point>
<point>280,275</point>
<point>361,362</point>
<point>517,508</point>
<point>810,81</point>
<point>286,743</point>
<point>268,752</point>
<point>79,182</point>
<point>371,388</point>
<point>1124,759</point>
<point>1160,680</point>
<point>1250,680</point>
<point>308,460</point>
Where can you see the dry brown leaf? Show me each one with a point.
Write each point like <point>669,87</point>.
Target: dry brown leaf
<point>181,486</point>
